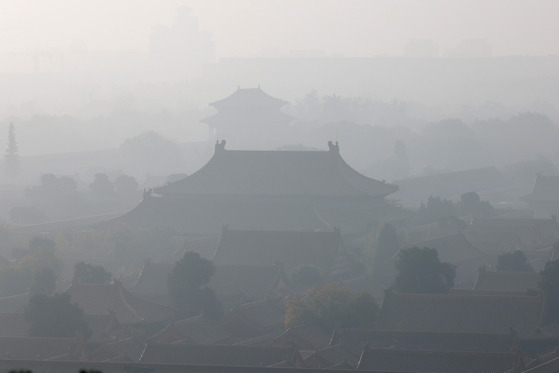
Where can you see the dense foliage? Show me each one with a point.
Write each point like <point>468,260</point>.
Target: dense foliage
<point>513,262</point>
<point>32,265</point>
<point>187,286</point>
<point>331,305</point>
<point>55,316</point>
<point>421,271</point>
<point>549,283</point>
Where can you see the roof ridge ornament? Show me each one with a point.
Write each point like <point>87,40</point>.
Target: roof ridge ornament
<point>219,146</point>
<point>334,147</point>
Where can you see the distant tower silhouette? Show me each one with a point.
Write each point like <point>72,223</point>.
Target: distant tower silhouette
<point>11,157</point>
<point>247,114</point>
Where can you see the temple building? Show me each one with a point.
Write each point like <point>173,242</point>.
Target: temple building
<point>268,191</point>
<point>249,115</point>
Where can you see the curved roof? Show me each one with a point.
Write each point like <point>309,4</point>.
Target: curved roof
<point>248,97</point>
<point>277,173</point>
<point>465,313</point>
<point>207,214</point>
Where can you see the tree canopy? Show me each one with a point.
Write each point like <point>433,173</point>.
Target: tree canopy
<point>386,245</point>
<point>549,283</point>
<point>55,316</point>
<point>513,262</point>
<point>421,271</point>
<point>187,286</point>
<point>331,305</point>
<point>44,282</point>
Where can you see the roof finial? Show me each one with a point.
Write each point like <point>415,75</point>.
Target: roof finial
<point>219,146</point>
<point>333,146</point>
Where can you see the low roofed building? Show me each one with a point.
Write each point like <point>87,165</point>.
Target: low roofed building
<point>102,299</point>
<point>519,282</point>
<point>309,336</point>
<point>449,185</point>
<point>356,340</point>
<point>544,197</point>
<point>231,283</point>
<point>222,355</point>
<point>290,249</point>
<point>254,319</point>
<point>198,329</point>
<point>394,360</point>
<point>330,356</point>
<point>463,313</point>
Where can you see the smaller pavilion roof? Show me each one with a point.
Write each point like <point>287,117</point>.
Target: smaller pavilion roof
<point>248,97</point>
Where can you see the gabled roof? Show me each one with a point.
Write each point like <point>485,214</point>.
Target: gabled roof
<point>453,248</point>
<point>105,328</point>
<point>545,189</point>
<point>127,367</point>
<point>290,248</point>
<point>131,347</point>
<point>254,318</point>
<point>252,281</point>
<point>208,215</point>
<point>309,336</point>
<point>449,185</point>
<point>466,313</point>
<point>153,278</point>
<point>533,233</point>
<point>507,281</point>
<point>223,355</point>
<point>248,97</point>
<point>13,325</point>
<point>330,356</point>
<point>435,361</point>
<point>198,329</point>
<point>277,173</point>
<point>101,299</point>
<point>22,348</point>
<point>356,340</point>
<point>14,303</point>
<point>493,241</point>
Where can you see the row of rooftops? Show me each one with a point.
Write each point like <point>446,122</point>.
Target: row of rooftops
<point>425,331</point>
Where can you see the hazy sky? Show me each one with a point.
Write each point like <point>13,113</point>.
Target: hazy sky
<point>277,27</point>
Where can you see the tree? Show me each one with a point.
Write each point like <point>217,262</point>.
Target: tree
<point>91,274</point>
<point>102,188</point>
<point>386,246</point>
<point>471,204</point>
<point>11,157</point>
<point>55,316</point>
<point>513,262</point>
<point>126,187</point>
<point>549,283</point>
<point>44,282</point>
<point>187,286</point>
<point>331,305</point>
<point>25,274</point>
<point>435,209</point>
<point>420,271</point>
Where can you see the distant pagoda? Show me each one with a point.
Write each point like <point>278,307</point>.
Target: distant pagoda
<point>248,113</point>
